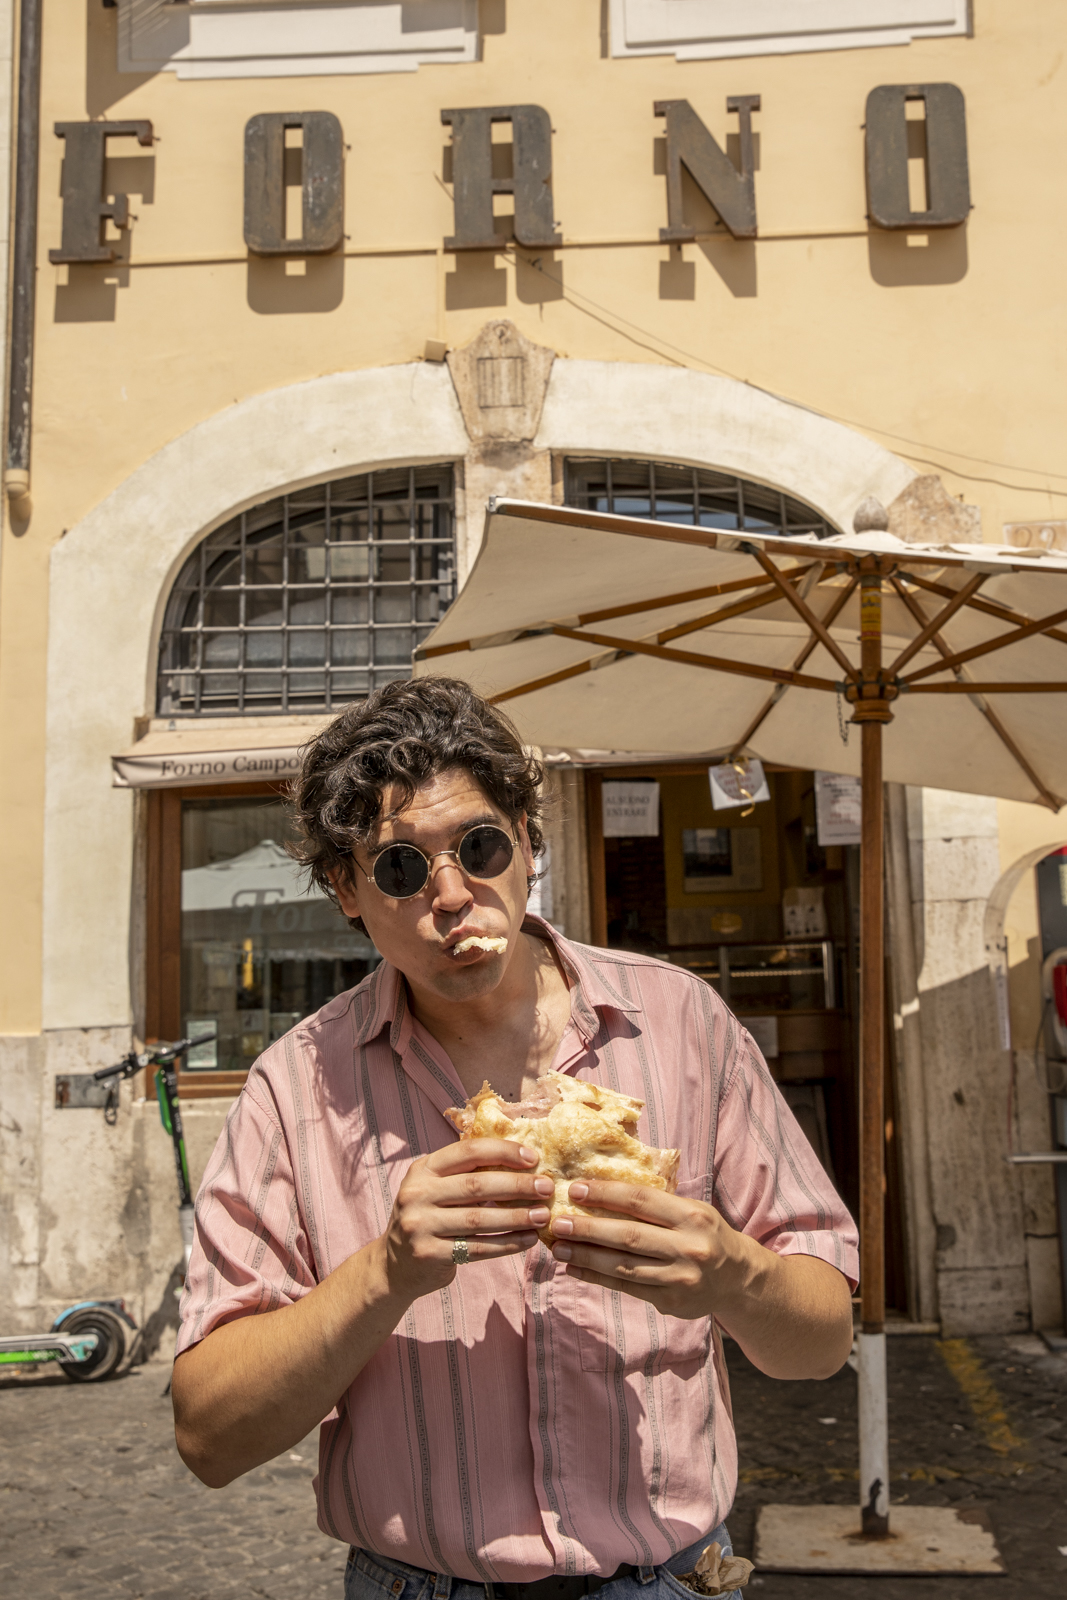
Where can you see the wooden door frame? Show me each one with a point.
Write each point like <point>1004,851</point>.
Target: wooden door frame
<point>163,923</point>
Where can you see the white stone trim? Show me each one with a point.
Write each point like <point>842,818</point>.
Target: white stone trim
<point>701,30</point>
<point>246,39</point>
<point>662,413</point>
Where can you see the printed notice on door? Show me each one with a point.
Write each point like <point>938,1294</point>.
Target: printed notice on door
<point>631,810</point>
<point>837,809</point>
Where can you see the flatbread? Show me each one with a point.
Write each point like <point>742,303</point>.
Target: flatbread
<point>580,1130</point>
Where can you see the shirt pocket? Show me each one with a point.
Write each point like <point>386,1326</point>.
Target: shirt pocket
<point>617,1331</point>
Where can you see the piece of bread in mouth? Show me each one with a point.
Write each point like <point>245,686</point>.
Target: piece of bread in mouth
<point>479,941</point>
<point>580,1130</point>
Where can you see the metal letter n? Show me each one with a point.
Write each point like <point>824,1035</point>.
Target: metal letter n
<point>320,175</point>
<point>473,183</point>
<point>690,145</point>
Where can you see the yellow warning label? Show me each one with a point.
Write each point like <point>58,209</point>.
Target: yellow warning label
<point>871,612</point>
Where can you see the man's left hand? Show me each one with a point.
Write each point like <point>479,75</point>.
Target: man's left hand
<point>676,1253</point>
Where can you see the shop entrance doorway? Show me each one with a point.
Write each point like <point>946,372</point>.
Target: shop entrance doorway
<point>754,906</point>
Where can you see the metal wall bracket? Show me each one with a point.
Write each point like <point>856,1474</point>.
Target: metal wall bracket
<point>79,1091</point>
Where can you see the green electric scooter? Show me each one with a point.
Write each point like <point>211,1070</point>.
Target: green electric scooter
<point>88,1340</point>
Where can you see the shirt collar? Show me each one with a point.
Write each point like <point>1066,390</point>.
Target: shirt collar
<point>384,1000</point>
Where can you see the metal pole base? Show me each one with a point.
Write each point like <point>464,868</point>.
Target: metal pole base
<point>874,1437</point>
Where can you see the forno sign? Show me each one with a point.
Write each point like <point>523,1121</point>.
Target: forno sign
<point>284,150</point>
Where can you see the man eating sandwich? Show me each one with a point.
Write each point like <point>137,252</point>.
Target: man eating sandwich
<point>544,1415</point>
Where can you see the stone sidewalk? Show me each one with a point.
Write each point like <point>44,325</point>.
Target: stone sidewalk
<point>96,1503</point>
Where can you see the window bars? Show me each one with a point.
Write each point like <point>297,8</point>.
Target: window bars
<point>690,495</point>
<point>311,600</point>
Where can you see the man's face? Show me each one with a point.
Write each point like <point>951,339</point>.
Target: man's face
<point>417,934</point>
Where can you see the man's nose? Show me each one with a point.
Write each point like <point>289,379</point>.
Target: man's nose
<point>451,891</point>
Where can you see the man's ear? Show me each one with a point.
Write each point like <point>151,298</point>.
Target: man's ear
<point>525,846</point>
<point>344,887</point>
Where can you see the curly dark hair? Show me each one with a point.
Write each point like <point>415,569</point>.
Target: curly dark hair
<point>400,736</point>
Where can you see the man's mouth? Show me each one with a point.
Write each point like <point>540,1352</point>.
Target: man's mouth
<point>483,943</point>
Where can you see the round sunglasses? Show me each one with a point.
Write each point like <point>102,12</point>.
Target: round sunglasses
<point>401,870</point>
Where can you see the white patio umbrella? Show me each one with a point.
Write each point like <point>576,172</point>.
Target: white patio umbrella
<point>627,635</point>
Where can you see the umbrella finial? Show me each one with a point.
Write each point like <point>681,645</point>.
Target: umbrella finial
<point>871,516</point>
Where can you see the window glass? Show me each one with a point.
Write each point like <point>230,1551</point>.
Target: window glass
<point>259,951</point>
<point>690,495</point>
<point>311,600</point>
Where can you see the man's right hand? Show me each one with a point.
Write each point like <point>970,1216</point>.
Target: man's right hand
<point>461,1192</point>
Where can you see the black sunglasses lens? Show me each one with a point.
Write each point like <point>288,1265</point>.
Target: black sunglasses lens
<point>400,871</point>
<point>485,852</point>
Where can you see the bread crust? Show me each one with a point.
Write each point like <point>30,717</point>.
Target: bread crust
<point>580,1130</point>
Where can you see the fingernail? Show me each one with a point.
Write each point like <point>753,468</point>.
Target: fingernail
<point>539,1216</point>
<point>562,1252</point>
<point>579,1191</point>
<point>544,1186</point>
<point>527,1154</point>
<point>563,1225</point>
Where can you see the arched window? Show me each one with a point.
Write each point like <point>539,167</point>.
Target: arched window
<point>692,495</point>
<point>311,600</point>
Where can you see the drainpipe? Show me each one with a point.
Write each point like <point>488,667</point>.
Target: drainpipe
<point>24,266</point>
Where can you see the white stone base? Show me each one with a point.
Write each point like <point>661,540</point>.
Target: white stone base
<point>922,1539</point>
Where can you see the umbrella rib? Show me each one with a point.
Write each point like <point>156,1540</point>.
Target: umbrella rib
<point>1025,631</point>
<point>990,607</point>
<point>984,688</point>
<point>634,608</point>
<point>776,695</point>
<point>540,683</point>
<point>1047,797</point>
<point>637,606</point>
<point>687,658</point>
<point>932,626</point>
<point>711,618</point>
<point>805,612</point>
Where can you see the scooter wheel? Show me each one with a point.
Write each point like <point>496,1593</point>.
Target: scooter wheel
<point>110,1348</point>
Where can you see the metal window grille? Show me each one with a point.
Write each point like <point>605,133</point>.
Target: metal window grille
<point>691,495</point>
<point>311,600</point>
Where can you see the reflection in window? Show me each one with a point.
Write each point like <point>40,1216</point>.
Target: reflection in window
<point>311,600</point>
<point>259,952</point>
<point>690,495</point>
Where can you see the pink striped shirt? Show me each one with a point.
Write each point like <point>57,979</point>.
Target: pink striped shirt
<point>518,1423</point>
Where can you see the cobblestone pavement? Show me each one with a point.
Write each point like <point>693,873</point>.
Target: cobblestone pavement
<point>976,1423</point>
<point>96,1503</point>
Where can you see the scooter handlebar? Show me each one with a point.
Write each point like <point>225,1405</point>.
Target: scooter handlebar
<point>160,1057</point>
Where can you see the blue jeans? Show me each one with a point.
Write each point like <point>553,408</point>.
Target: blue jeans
<point>374,1577</point>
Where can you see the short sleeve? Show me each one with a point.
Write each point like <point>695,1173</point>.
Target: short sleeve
<point>250,1251</point>
<point>769,1183</point>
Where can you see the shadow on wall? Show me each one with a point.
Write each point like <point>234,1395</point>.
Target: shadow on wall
<point>281,284</point>
<point>477,282</point>
<point>934,255</point>
<point>982,1278</point>
<point>733,259</point>
<point>90,292</point>
<point>104,83</point>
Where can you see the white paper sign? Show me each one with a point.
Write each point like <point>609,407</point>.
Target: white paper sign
<point>631,810</point>
<point>837,809</point>
<point>730,787</point>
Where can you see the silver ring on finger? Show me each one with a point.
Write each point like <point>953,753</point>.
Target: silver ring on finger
<point>460,1253</point>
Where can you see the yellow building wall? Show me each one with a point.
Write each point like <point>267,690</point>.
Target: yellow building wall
<point>937,348</point>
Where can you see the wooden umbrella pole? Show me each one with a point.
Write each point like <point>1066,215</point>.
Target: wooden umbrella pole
<point>871,710</point>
